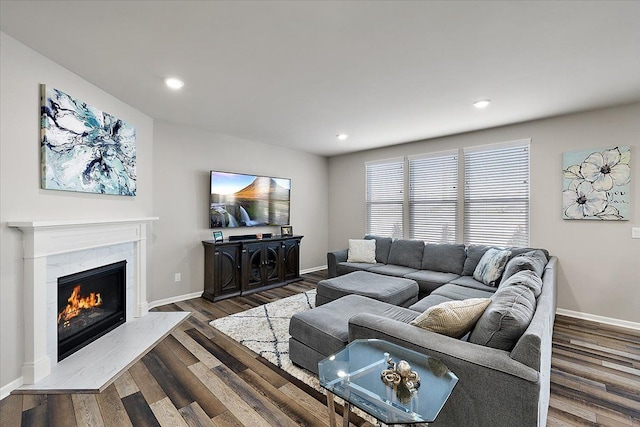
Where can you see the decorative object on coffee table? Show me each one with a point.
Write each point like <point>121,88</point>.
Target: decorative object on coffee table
<point>399,375</point>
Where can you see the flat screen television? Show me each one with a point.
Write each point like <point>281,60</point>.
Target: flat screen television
<point>239,200</point>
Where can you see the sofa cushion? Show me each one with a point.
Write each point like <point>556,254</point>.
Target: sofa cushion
<point>516,250</point>
<point>383,245</point>
<point>506,318</point>
<point>393,290</point>
<point>428,301</point>
<point>361,250</point>
<point>349,267</point>
<point>491,266</point>
<point>392,270</point>
<point>446,258</point>
<point>525,278</point>
<point>407,253</point>
<point>474,253</point>
<point>458,292</point>
<point>470,282</point>
<point>428,280</point>
<point>452,318</point>
<point>534,260</point>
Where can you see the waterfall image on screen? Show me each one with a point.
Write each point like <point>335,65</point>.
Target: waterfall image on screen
<point>239,200</point>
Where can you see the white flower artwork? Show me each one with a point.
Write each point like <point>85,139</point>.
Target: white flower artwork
<point>596,184</point>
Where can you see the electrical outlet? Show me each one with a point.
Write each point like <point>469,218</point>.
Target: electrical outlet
<point>178,277</point>
<point>635,232</point>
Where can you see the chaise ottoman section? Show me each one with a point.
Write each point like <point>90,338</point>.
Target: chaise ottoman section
<point>393,290</point>
<point>322,331</point>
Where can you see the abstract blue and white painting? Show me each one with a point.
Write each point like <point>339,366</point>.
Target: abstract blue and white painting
<point>597,184</point>
<point>85,149</point>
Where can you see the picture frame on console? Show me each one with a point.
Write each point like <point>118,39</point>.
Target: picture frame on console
<point>217,236</point>
<point>286,230</point>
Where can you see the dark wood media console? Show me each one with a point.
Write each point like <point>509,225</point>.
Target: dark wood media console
<point>243,267</point>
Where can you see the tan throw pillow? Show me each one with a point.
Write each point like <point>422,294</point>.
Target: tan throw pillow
<point>452,318</point>
<point>362,251</point>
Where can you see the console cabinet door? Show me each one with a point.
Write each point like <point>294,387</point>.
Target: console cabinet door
<point>222,272</point>
<point>291,259</point>
<point>262,265</point>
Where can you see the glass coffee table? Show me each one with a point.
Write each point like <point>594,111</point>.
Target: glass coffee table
<point>354,374</point>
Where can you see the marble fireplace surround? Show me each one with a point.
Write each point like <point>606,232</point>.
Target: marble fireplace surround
<point>44,244</point>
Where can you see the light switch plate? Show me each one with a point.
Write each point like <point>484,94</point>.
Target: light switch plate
<point>635,232</point>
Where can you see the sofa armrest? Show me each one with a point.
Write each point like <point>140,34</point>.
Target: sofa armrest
<point>333,259</point>
<point>456,354</point>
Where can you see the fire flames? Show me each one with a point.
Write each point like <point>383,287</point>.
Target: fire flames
<point>78,303</point>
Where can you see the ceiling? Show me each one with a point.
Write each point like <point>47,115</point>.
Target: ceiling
<point>296,74</point>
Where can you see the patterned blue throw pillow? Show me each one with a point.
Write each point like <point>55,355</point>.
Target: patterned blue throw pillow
<point>491,266</point>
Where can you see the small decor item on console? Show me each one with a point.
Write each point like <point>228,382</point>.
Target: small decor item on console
<point>217,236</point>
<point>286,230</point>
<point>400,376</point>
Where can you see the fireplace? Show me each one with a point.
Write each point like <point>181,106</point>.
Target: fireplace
<point>90,304</point>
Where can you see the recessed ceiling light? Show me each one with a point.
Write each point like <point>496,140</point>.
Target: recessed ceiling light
<point>482,103</point>
<point>173,83</point>
<point>342,136</point>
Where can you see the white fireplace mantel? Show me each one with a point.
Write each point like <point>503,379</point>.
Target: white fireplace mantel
<point>42,239</point>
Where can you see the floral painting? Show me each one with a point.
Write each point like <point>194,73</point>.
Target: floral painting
<point>85,149</point>
<point>596,184</point>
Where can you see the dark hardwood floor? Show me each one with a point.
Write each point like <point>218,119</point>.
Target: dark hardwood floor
<point>199,377</point>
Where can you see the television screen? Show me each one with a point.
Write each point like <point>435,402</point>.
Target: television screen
<point>239,200</point>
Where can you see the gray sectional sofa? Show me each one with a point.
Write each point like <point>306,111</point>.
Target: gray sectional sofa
<point>500,384</point>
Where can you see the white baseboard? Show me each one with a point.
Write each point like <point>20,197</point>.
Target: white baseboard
<point>171,300</point>
<point>7,389</point>
<point>313,269</point>
<point>600,319</point>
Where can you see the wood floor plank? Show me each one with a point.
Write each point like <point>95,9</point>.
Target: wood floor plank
<point>125,384</point>
<point>227,420</point>
<point>195,416</point>
<point>179,396</point>
<point>196,389</point>
<point>180,350</point>
<point>139,411</point>
<point>61,410</point>
<point>146,383</point>
<point>87,410</point>
<point>113,412</point>
<point>196,349</point>
<point>232,401</point>
<point>11,410</point>
<point>36,416</point>
<point>267,409</point>
<point>167,414</point>
<point>32,400</point>
<point>213,348</point>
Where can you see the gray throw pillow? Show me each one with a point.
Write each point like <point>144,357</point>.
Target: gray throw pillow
<point>506,318</point>
<point>445,258</point>
<point>526,278</point>
<point>534,260</point>
<point>491,265</point>
<point>407,253</point>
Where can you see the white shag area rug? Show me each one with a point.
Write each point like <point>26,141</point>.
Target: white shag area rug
<point>265,330</point>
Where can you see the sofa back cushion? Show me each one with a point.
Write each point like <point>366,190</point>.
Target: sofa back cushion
<point>534,261</point>
<point>407,253</point>
<point>474,254</point>
<point>445,258</point>
<point>525,278</point>
<point>383,245</point>
<point>506,318</point>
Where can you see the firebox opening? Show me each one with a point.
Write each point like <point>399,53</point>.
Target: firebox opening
<point>90,304</point>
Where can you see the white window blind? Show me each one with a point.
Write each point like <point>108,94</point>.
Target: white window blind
<point>496,195</point>
<point>385,197</point>
<point>433,197</point>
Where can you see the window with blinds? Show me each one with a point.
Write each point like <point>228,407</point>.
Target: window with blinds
<point>433,197</point>
<point>496,195</point>
<point>385,197</point>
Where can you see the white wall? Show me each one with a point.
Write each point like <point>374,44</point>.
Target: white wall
<point>599,262</point>
<point>21,199</point>
<point>181,197</point>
